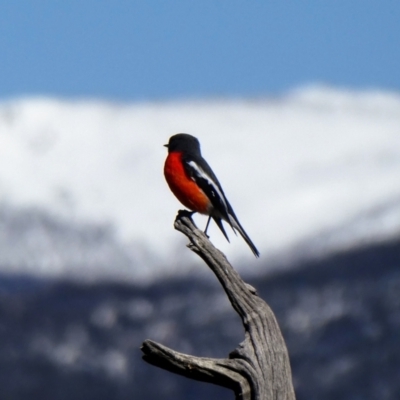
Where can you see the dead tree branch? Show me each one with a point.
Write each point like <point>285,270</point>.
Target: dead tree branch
<point>258,369</point>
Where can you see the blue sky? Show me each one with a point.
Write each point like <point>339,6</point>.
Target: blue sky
<point>154,49</point>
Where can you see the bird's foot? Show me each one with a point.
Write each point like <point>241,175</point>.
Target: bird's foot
<point>185,213</point>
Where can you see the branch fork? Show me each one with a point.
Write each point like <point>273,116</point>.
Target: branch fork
<point>259,368</point>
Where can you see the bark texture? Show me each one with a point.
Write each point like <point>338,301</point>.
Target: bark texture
<point>259,368</point>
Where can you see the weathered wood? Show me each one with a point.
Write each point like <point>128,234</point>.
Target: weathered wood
<point>259,368</point>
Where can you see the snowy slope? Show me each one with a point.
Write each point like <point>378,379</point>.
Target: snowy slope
<point>315,170</point>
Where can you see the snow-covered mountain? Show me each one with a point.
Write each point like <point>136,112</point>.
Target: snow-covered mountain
<point>83,193</point>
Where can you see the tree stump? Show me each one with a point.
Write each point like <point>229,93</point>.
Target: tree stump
<point>259,368</point>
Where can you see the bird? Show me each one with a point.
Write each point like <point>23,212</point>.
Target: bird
<point>195,185</point>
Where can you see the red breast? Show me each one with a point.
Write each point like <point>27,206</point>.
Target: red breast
<point>183,187</point>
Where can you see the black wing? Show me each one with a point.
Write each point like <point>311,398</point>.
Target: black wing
<point>198,170</point>
<point>202,174</point>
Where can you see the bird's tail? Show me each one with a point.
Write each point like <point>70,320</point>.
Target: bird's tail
<point>235,224</point>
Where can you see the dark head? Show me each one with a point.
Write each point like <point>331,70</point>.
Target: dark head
<point>183,142</point>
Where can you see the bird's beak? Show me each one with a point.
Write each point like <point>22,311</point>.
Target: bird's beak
<point>165,145</point>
